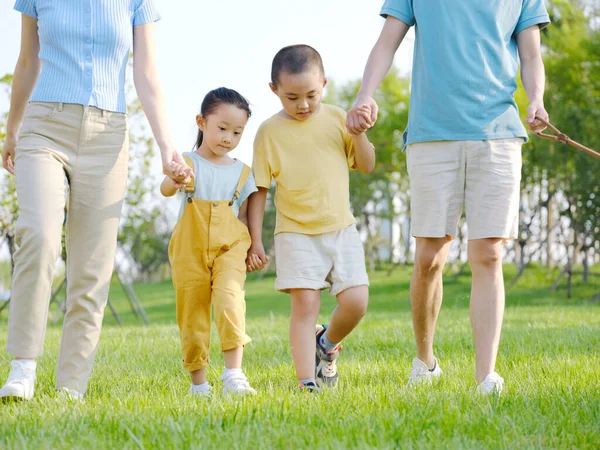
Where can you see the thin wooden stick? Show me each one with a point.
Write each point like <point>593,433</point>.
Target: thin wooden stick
<point>561,137</point>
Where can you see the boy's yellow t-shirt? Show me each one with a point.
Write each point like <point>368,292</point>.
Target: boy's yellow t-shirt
<point>309,161</point>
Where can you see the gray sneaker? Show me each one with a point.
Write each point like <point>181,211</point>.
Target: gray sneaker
<point>326,370</point>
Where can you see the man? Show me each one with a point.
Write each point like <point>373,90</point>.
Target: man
<point>463,143</point>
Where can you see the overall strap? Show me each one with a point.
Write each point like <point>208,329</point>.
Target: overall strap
<point>190,188</point>
<point>242,181</point>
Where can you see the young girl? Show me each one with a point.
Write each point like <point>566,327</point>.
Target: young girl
<point>210,241</point>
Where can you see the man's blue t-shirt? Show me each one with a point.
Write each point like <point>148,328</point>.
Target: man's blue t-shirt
<point>465,66</point>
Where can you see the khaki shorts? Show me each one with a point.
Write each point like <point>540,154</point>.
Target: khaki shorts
<point>484,176</point>
<point>334,261</point>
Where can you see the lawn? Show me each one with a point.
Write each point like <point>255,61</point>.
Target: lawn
<point>549,357</point>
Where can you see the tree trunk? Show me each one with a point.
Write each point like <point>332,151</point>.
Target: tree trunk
<point>586,269</point>
<point>549,230</point>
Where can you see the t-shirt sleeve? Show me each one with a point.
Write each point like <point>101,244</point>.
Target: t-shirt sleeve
<point>248,189</point>
<point>26,7</point>
<point>261,168</point>
<point>533,12</point>
<point>400,9</point>
<point>145,12</point>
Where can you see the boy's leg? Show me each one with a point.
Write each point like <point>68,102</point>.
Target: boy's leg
<point>487,301</point>
<point>349,282</point>
<point>302,266</point>
<point>426,292</point>
<point>352,306</point>
<point>305,310</point>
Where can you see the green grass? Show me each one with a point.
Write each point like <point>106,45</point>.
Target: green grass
<point>549,357</point>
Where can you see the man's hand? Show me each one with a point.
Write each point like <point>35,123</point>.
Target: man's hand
<point>362,116</point>
<point>536,109</point>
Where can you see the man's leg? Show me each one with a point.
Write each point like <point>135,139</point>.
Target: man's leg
<point>487,301</point>
<point>426,293</point>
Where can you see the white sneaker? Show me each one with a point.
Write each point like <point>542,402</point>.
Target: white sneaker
<point>492,384</point>
<point>420,373</point>
<point>70,394</point>
<point>20,383</point>
<point>235,382</point>
<point>201,390</point>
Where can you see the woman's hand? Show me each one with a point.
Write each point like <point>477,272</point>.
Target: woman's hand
<point>8,153</point>
<point>175,167</point>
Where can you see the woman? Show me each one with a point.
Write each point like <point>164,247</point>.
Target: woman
<point>72,148</point>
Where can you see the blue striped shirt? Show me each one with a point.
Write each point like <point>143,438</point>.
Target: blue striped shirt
<point>84,48</point>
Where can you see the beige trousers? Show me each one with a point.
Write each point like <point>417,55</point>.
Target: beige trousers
<point>74,156</point>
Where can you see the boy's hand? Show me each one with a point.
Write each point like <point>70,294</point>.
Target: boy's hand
<point>257,258</point>
<point>362,116</point>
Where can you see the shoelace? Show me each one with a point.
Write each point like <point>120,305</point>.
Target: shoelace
<point>329,369</point>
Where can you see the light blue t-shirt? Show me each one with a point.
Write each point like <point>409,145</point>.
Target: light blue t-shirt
<point>465,66</point>
<point>84,48</point>
<point>215,182</point>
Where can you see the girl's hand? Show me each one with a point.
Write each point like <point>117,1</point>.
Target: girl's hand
<point>8,153</point>
<point>257,259</point>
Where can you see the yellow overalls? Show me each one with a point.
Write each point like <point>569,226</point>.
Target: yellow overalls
<point>208,262</point>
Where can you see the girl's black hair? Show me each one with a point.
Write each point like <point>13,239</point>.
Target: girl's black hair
<point>218,97</point>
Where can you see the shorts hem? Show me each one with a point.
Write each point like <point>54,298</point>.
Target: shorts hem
<point>287,284</point>
<point>336,290</point>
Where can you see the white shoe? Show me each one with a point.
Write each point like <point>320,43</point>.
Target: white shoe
<point>492,384</point>
<point>235,382</point>
<point>420,373</point>
<point>201,390</point>
<point>20,383</point>
<point>70,394</point>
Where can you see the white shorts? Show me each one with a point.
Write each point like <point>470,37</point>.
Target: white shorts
<point>334,261</point>
<point>484,176</point>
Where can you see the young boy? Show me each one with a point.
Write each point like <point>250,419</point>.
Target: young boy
<point>308,151</point>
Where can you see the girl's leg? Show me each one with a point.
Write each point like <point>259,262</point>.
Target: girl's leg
<point>233,357</point>
<point>198,376</point>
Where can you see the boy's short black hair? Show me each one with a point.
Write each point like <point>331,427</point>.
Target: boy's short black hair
<point>295,59</point>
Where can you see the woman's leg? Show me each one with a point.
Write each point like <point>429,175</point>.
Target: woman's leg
<point>98,181</point>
